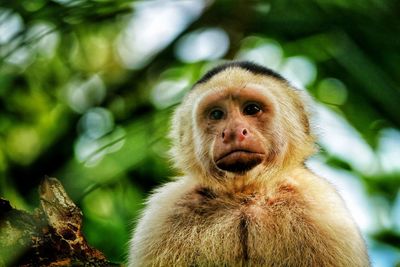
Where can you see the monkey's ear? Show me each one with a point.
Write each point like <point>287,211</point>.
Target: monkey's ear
<point>181,136</point>
<point>308,117</point>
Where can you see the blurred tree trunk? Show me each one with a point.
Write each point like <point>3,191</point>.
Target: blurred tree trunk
<point>50,236</point>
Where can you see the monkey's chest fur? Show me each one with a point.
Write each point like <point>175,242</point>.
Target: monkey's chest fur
<point>243,229</point>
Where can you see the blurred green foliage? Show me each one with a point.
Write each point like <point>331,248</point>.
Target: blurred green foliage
<point>87,88</point>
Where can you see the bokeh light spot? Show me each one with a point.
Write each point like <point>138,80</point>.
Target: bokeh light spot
<point>299,70</point>
<point>201,45</point>
<point>269,54</point>
<point>332,91</point>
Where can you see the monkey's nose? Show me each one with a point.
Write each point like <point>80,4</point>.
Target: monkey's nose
<point>225,135</point>
<point>242,134</point>
<point>239,133</point>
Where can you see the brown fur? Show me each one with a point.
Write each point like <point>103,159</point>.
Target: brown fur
<point>276,214</point>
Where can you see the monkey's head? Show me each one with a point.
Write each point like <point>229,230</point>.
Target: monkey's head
<point>242,119</point>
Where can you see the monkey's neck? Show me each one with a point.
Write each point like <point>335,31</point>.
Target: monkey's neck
<point>254,180</point>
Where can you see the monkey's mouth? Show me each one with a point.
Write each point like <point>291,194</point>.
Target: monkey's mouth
<point>239,161</point>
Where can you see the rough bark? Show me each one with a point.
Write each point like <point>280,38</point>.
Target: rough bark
<point>50,236</point>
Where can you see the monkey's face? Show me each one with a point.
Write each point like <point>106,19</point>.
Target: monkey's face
<point>239,122</point>
<point>235,124</point>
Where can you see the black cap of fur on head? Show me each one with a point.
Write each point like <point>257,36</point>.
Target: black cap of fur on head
<point>246,65</point>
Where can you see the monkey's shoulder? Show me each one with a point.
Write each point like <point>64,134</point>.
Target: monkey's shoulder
<point>296,196</point>
<point>205,202</point>
<point>249,224</point>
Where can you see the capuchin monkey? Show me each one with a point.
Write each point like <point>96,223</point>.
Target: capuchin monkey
<point>245,197</point>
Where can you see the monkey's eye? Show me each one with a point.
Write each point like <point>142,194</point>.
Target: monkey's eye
<point>216,114</point>
<point>251,109</point>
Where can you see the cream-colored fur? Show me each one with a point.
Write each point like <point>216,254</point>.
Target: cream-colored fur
<point>277,214</point>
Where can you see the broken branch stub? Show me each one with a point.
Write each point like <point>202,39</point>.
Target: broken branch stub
<point>50,236</point>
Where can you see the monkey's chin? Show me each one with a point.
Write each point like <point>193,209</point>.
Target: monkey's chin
<point>239,162</point>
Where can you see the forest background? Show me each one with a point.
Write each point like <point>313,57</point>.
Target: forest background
<point>87,88</point>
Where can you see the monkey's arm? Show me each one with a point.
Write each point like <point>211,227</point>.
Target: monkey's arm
<point>327,209</point>
<point>153,222</point>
